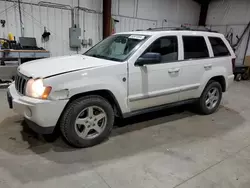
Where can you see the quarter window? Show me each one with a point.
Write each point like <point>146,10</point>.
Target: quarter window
<point>219,47</point>
<point>195,47</point>
<point>167,47</point>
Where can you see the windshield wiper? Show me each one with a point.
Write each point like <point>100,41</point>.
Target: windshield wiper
<point>98,56</point>
<point>112,59</point>
<point>94,55</point>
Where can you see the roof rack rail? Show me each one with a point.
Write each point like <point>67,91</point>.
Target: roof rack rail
<point>161,29</point>
<point>182,28</point>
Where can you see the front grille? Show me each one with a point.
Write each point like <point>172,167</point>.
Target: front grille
<point>20,83</point>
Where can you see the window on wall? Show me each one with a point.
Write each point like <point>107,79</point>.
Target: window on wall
<point>195,47</point>
<point>219,47</point>
<point>167,47</point>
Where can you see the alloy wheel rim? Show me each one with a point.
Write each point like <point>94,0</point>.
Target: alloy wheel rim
<point>90,122</point>
<point>212,98</point>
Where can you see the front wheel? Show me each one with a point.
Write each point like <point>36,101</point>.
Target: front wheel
<point>87,121</point>
<point>210,98</point>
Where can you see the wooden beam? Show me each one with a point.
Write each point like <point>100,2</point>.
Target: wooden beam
<point>203,13</point>
<point>106,18</point>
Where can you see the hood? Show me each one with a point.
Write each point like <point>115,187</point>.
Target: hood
<point>58,65</point>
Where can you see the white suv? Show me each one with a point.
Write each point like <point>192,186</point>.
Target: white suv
<point>124,75</point>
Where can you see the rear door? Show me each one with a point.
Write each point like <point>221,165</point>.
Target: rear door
<point>221,54</point>
<point>196,61</point>
<point>223,57</point>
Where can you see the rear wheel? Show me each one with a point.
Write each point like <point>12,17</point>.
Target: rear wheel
<point>210,98</point>
<point>87,121</point>
<point>238,77</point>
<point>245,76</point>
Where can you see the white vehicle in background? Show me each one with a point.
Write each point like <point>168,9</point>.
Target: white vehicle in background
<point>124,75</point>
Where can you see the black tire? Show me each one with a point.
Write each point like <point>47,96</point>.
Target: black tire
<point>238,77</point>
<point>203,109</point>
<point>245,76</point>
<point>67,121</point>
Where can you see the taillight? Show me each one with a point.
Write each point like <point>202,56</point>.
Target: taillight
<point>233,63</point>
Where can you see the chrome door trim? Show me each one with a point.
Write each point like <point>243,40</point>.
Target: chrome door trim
<point>148,96</point>
<point>191,87</point>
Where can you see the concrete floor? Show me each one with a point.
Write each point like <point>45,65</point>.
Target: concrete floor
<point>171,148</point>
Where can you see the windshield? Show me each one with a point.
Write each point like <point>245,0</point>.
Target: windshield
<point>116,47</point>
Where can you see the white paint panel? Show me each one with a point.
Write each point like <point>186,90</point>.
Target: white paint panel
<point>131,24</point>
<point>11,17</point>
<point>188,12</point>
<point>91,28</point>
<point>220,29</point>
<point>115,7</point>
<point>126,8</point>
<point>228,12</point>
<point>92,4</point>
<point>169,24</point>
<point>177,11</point>
<point>66,2</point>
<point>148,6</point>
<point>57,21</point>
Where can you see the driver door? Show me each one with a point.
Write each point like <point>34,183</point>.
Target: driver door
<point>156,84</point>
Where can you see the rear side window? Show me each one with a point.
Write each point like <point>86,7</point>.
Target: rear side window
<point>219,47</point>
<point>167,47</point>
<point>195,47</point>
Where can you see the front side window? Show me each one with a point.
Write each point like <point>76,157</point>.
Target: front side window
<point>167,47</point>
<point>116,47</point>
<point>195,47</point>
<point>219,47</point>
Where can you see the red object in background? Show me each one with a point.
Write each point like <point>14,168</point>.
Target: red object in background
<point>112,26</point>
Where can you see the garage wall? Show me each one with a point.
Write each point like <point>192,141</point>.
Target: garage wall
<point>231,16</point>
<point>91,4</point>
<point>172,11</point>
<point>131,14</point>
<point>57,21</point>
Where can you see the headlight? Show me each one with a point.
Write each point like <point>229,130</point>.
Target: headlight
<point>36,89</point>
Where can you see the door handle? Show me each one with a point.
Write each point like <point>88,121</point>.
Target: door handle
<point>208,66</point>
<point>174,70</point>
<point>177,70</point>
<point>171,71</point>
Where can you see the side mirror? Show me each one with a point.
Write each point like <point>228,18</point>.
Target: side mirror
<point>148,58</point>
